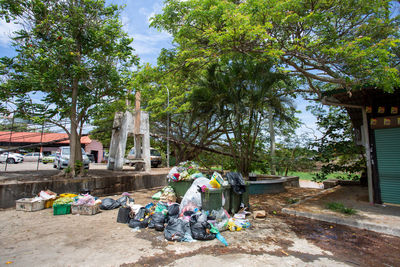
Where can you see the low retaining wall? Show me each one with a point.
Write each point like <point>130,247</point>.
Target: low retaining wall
<point>99,186</point>
<point>292,181</point>
<point>329,183</point>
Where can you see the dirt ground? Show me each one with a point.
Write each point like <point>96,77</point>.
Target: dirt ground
<point>355,197</point>
<point>41,239</point>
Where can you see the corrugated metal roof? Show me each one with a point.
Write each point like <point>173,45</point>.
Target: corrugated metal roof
<point>35,137</point>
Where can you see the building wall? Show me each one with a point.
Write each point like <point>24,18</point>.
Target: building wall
<point>95,146</point>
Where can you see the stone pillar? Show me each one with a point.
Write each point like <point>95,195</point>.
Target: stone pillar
<point>145,130</point>
<point>118,140</point>
<point>124,124</point>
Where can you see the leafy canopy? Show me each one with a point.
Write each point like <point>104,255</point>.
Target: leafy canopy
<point>346,43</point>
<point>72,55</point>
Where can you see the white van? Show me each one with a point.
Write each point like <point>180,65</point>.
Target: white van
<point>155,157</point>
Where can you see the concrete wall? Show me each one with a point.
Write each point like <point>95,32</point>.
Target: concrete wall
<point>95,146</point>
<point>98,186</point>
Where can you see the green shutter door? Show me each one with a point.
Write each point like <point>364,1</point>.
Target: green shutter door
<point>388,156</point>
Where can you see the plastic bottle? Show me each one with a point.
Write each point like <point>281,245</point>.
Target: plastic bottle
<point>222,239</point>
<point>218,235</point>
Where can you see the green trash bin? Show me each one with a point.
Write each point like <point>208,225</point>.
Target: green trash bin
<point>237,199</point>
<point>227,196</point>
<point>181,187</point>
<point>211,199</point>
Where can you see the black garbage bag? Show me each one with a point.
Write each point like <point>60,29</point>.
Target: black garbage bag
<point>124,215</point>
<point>157,221</point>
<point>176,229</point>
<point>109,204</point>
<point>151,223</point>
<point>122,200</point>
<point>159,227</point>
<point>236,181</point>
<point>200,229</point>
<point>145,222</point>
<point>173,210</point>
<point>134,223</point>
<point>141,214</point>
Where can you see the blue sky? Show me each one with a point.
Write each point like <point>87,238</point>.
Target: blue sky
<point>147,42</point>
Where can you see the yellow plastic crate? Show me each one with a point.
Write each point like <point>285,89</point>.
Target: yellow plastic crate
<point>68,195</point>
<point>49,203</point>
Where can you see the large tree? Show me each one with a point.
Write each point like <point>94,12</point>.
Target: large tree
<point>188,133</point>
<point>241,93</point>
<point>346,43</point>
<point>75,54</point>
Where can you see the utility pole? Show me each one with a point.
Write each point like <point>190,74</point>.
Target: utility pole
<point>167,127</point>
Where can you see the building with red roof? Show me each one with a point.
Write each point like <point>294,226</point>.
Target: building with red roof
<point>19,139</point>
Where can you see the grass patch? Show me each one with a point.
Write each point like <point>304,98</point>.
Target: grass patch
<point>339,207</point>
<point>292,200</point>
<point>310,175</point>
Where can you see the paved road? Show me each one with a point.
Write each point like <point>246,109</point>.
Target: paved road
<point>33,166</point>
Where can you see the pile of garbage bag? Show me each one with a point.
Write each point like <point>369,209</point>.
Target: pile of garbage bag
<point>184,171</point>
<point>187,221</point>
<point>110,204</point>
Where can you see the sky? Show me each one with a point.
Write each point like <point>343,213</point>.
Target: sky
<point>148,43</point>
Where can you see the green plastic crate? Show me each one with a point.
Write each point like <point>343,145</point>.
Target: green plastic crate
<point>211,199</point>
<point>61,209</point>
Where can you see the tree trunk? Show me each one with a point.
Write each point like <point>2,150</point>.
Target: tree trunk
<point>291,160</point>
<point>272,142</point>
<point>73,138</point>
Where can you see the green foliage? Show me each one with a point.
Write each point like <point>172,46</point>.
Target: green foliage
<point>336,149</point>
<point>292,200</point>
<point>239,93</point>
<point>339,207</point>
<point>78,166</point>
<point>10,9</point>
<point>155,85</point>
<point>346,43</point>
<point>68,170</point>
<point>75,54</point>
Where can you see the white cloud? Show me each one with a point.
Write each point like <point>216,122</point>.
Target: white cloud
<point>152,38</point>
<point>155,9</point>
<point>147,44</point>
<point>6,30</point>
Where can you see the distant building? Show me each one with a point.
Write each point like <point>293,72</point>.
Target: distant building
<point>18,139</point>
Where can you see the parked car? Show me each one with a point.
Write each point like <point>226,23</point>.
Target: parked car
<point>11,158</point>
<point>155,157</point>
<point>33,157</point>
<point>62,158</point>
<point>91,158</point>
<point>49,159</point>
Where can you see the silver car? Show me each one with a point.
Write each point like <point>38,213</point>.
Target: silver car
<point>33,156</point>
<point>62,158</point>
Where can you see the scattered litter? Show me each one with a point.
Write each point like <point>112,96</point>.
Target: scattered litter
<point>157,195</point>
<point>284,252</point>
<point>259,214</point>
<point>134,230</point>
